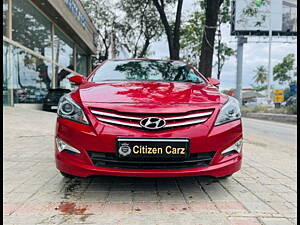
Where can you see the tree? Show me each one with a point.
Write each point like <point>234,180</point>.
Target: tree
<point>172,30</point>
<point>223,53</point>
<point>212,8</point>
<point>260,78</point>
<point>139,27</point>
<point>104,19</point>
<point>282,71</point>
<point>261,75</point>
<point>191,37</point>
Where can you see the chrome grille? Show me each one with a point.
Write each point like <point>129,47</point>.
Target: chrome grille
<point>133,119</point>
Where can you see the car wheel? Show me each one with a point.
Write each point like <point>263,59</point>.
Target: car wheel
<point>67,175</point>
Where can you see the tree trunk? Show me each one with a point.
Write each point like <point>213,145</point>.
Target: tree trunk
<point>172,36</point>
<point>208,38</point>
<point>176,33</point>
<point>145,48</point>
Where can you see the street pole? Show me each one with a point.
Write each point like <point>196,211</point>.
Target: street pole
<point>239,68</point>
<point>269,63</point>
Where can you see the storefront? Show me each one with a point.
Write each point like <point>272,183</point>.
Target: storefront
<point>44,43</point>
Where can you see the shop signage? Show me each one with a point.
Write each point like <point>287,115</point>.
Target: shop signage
<point>278,96</point>
<point>74,9</point>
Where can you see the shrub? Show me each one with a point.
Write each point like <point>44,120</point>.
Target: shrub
<point>292,109</point>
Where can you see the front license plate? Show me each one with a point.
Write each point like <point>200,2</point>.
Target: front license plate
<point>171,148</point>
<point>54,107</point>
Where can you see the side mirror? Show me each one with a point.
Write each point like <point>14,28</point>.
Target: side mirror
<point>214,81</point>
<point>77,79</point>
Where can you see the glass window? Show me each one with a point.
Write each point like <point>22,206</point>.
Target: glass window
<point>63,49</point>
<point>31,28</point>
<point>6,75</point>
<point>81,62</point>
<point>32,77</point>
<point>5,16</point>
<point>62,76</point>
<point>156,70</point>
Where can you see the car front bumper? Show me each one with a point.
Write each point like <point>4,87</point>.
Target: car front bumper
<point>85,138</point>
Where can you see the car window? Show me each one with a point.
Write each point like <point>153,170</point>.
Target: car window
<point>151,70</point>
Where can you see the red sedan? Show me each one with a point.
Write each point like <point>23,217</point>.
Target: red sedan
<point>147,118</point>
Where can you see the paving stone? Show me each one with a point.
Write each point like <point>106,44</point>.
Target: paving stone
<point>203,207</point>
<point>168,207</point>
<point>146,196</point>
<point>276,221</point>
<point>98,187</point>
<point>120,196</point>
<point>230,206</point>
<point>217,192</point>
<point>244,221</point>
<point>262,192</point>
<point>146,207</point>
<point>196,197</point>
<point>94,196</point>
<point>171,197</point>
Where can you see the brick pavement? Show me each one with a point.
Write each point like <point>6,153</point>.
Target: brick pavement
<point>263,192</point>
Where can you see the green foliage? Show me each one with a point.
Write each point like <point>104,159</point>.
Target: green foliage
<point>259,87</point>
<point>104,19</point>
<point>287,93</point>
<point>263,109</point>
<point>192,32</point>
<point>191,36</point>
<point>261,74</point>
<point>223,53</point>
<point>224,13</point>
<point>139,26</point>
<point>292,109</point>
<point>281,71</point>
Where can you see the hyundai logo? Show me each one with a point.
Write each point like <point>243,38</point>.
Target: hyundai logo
<point>152,123</point>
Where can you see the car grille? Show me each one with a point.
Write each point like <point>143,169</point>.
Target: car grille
<point>133,119</point>
<point>112,161</point>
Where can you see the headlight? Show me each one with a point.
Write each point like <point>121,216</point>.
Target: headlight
<point>69,109</point>
<point>229,112</point>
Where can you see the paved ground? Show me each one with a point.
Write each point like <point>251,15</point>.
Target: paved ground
<point>263,192</point>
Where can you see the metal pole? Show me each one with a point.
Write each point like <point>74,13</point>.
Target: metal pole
<point>239,68</point>
<point>269,63</point>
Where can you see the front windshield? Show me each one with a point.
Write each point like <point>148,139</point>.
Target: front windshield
<point>146,70</point>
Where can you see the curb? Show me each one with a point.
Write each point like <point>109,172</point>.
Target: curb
<point>285,118</point>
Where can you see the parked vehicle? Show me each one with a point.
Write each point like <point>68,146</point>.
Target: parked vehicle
<point>51,100</point>
<point>256,101</point>
<point>290,101</point>
<point>147,118</point>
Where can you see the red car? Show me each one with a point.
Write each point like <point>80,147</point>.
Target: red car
<point>147,118</point>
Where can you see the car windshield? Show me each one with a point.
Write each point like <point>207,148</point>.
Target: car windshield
<point>146,70</point>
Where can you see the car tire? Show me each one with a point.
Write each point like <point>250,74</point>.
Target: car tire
<point>225,177</point>
<point>67,175</point>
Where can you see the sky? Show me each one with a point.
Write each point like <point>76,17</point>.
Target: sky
<point>255,54</point>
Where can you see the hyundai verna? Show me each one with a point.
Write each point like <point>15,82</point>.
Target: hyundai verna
<point>147,118</point>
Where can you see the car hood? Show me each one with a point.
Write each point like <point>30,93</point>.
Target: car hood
<point>149,92</point>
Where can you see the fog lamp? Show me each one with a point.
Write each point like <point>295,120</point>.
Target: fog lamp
<point>61,146</point>
<point>235,148</point>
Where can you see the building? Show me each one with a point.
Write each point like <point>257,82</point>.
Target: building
<point>250,95</point>
<point>44,42</point>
